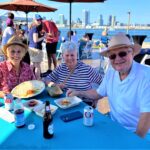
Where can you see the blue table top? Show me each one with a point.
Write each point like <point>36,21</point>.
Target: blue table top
<point>105,134</point>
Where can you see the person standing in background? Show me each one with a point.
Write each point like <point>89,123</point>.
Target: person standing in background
<point>9,31</point>
<point>51,43</point>
<point>35,45</point>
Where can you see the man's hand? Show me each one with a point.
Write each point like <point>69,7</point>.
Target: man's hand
<point>144,124</point>
<point>72,92</point>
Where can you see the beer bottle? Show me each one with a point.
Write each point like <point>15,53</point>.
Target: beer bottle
<point>47,122</point>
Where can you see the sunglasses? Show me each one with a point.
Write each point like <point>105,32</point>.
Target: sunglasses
<point>39,19</point>
<point>120,54</point>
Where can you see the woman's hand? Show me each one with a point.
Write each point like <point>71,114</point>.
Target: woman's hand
<point>61,85</point>
<point>2,94</point>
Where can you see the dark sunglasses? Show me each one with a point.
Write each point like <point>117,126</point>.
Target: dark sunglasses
<point>39,19</point>
<point>120,54</point>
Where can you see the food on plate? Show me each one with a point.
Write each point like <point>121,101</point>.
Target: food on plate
<point>32,103</point>
<point>54,90</point>
<point>65,102</point>
<point>30,92</point>
<point>42,111</point>
<point>28,89</point>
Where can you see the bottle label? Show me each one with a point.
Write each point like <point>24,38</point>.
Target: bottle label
<point>50,129</point>
<point>19,118</point>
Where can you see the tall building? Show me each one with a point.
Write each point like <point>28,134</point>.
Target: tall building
<point>100,20</point>
<point>113,21</point>
<point>109,20</point>
<point>61,19</point>
<point>78,20</point>
<point>86,17</point>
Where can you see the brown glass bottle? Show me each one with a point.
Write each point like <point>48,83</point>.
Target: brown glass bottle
<point>47,122</point>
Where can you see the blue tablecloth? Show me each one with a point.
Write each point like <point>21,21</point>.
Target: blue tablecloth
<point>105,134</point>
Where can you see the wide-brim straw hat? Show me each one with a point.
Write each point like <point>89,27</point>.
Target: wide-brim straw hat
<point>119,41</point>
<point>14,40</point>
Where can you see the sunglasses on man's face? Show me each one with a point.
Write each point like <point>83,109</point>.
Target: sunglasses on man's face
<point>120,54</point>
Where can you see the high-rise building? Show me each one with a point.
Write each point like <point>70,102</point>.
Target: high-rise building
<point>100,20</point>
<point>86,17</point>
<point>109,20</point>
<point>113,21</point>
<point>61,19</point>
<point>79,20</point>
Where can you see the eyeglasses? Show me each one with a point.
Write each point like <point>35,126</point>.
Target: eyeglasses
<point>39,19</point>
<point>120,54</point>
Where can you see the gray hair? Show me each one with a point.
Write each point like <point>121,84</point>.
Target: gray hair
<point>68,46</point>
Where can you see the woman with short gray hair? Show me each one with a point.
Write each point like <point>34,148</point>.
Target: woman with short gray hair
<point>73,73</point>
<point>68,46</point>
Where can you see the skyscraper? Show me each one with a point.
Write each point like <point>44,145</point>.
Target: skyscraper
<point>100,20</point>
<point>61,19</point>
<point>109,20</point>
<point>86,17</point>
<point>113,21</point>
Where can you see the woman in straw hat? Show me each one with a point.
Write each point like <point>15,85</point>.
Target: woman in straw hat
<point>126,84</point>
<point>13,71</point>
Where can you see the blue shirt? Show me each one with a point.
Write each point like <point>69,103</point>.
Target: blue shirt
<point>37,45</point>
<point>129,97</point>
<point>104,39</point>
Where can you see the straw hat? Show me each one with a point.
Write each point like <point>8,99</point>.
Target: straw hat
<point>14,40</point>
<point>119,41</point>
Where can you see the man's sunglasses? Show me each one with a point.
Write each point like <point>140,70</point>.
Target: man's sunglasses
<point>120,54</point>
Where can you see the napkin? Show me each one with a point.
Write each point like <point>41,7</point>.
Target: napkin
<point>6,115</point>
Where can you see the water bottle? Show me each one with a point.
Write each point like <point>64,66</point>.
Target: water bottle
<point>19,114</point>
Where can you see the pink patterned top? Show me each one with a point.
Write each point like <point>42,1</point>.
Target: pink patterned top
<point>9,78</point>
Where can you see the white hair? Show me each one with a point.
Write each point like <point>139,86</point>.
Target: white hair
<point>68,46</point>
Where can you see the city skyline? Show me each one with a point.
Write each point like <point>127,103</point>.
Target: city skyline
<point>138,10</point>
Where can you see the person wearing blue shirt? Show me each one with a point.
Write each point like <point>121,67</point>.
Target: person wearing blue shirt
<point>126,84</point>
<point>36,38</point>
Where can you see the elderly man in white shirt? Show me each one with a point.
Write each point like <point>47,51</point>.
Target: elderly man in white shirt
<point>126,84</point>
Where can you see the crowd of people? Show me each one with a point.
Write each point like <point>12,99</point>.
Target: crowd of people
<point>126,83</point>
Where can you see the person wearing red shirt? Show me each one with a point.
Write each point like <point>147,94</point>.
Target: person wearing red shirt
<point>51,42</point>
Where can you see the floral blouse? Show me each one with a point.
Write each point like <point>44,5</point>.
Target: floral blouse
<point>9,78</point>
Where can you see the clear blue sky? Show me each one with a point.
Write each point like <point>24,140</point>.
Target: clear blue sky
<point>140,10</point>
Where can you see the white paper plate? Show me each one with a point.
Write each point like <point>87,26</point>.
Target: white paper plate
<point>39,110</point>
<point>72,101</point>
<point>26,104</point>
<point>21,90</point>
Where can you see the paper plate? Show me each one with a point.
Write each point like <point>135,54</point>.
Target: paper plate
<point>28,89</point>
<point>39,110</point>
<point>67,102</point>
